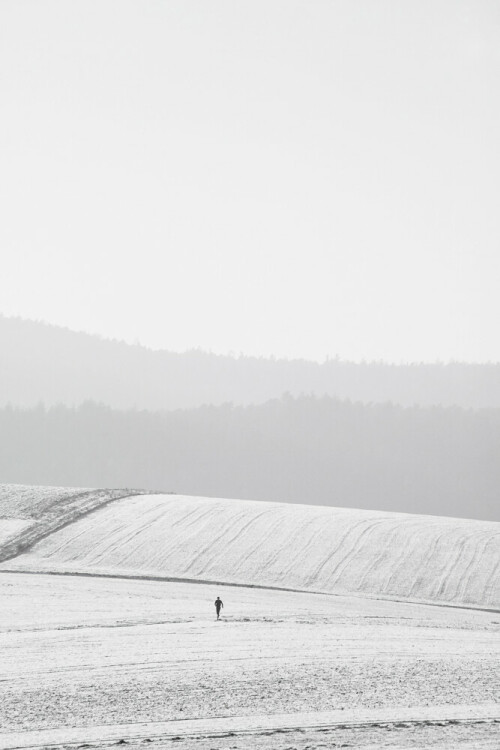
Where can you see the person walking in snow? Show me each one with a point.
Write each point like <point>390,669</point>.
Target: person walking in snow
<point>218,606</point>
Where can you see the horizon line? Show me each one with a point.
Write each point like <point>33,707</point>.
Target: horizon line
<point>233,355</point>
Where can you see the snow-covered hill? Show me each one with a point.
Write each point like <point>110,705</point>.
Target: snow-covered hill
<point>312,548</point>
<point>29,513</point>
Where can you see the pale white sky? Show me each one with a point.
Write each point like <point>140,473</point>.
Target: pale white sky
<point>266,176</point>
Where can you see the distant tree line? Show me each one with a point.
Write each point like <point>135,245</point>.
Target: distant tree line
<point>48,364</point>
<point>443,461</point>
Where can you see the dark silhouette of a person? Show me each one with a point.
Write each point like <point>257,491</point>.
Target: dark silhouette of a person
<point>218,606</point>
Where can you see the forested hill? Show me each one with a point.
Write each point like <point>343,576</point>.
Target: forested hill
<point>438,461</point>
<point>47,364</point>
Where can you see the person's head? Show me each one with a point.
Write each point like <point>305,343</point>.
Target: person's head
<point>218,598</point>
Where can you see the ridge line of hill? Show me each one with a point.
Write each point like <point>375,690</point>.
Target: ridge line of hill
<point>49,364</point>
<point>108,339</point>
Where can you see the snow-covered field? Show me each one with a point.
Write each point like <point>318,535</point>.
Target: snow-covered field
<point>100,660</point>
<point>313,548</point>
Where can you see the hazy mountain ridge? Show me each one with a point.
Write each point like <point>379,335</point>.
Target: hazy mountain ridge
<point>50,365</point>
<point>435,460</point>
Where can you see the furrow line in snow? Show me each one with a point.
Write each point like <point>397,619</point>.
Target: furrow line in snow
<point>233,726</point>
<point>375,564</point>
<point>370,526</point>
<point>431,555</point>
<point>478,549</point>
<point>452,562</point>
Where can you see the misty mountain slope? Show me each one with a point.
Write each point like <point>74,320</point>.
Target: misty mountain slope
<point>29,513</point>
<point>270,544</point>
<point>47,364</point>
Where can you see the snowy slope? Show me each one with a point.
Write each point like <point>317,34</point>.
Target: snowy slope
<point>28,513</point>
<point>30,502</point>
<point>311,548</point>
<point>11,528</point>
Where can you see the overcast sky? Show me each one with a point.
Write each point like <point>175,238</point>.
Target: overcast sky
<point>261,176</point>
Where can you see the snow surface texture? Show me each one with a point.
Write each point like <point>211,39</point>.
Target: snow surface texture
<point>28,502</point>
<point>11,528</point>
<point>99,661</point>
<point>93,661</point>
<point>28,513</point>
<point>400,556</point>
